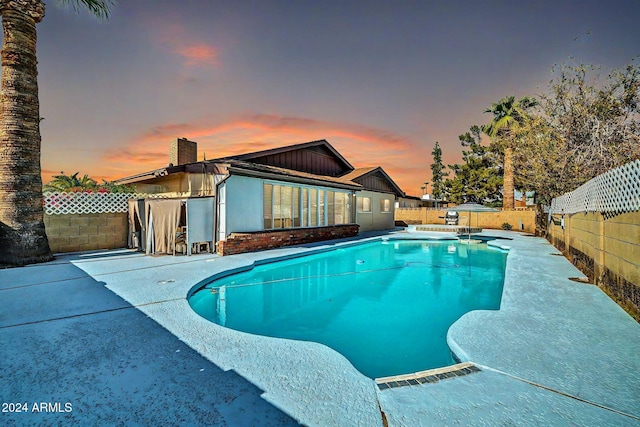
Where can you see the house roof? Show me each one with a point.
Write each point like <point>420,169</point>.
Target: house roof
<point>206,166</point>
<point>245,168</point>
<point>321,144</point>
<point>359,172</point>
<point>412,197</point>
<point>257,164</point>
<point>374,178</point>
<point>240,167</point>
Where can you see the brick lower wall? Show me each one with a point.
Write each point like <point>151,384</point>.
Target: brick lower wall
<point>238,243</point>
<point>84,232</point>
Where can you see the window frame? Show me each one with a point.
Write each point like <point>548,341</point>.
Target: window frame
<point>301,202</point>
<point>383,206</point>
<point>360,204</point>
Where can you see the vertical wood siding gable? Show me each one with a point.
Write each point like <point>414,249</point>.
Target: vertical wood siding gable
<point>315,160</point>
<point>375,183</point>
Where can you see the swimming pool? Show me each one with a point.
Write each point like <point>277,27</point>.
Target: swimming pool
<point>385,305</point>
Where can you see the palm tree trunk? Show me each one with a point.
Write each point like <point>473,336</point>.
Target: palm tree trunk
<point>22,234</point>
<point>508,201</point>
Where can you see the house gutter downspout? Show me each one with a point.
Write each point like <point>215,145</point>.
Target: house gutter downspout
<point>216,224</point>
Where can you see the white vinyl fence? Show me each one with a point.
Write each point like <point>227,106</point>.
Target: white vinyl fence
<point>88,202</point>
<point>615,191</point>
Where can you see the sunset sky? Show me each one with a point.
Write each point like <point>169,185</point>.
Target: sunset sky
<point>382,81</point>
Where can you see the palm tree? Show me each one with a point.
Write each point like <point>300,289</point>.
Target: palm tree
<point>22,234</point>
<point>64,182</point>
<point>67,183</point>
<point>508,116</point>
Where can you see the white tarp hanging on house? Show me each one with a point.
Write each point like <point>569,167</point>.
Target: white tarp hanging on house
<point>200,215</point>
<point>164,217</point>
<point>137,234</point>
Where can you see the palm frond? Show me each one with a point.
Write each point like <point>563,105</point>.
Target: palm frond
<point>100,8</point>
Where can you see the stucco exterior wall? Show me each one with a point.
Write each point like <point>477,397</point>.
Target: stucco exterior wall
<point>170,185</point>
<point>242,205</point>
<point>375,220</point>
<point>84,232</point>
<point>181,185</point>
<point>607,250</point>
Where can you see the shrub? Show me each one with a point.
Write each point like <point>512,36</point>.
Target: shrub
<point>506,226</point>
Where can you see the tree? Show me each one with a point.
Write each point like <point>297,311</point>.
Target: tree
<point>437,173</point>
<point>71,183</point>
<point>64,182</point>
<point>508,115</point>
<point>112,187</point>
<point>587,125</point>
<point>598,119</point>
<point>22,234</point>
<point>540,161</point>
<point>479,178</point>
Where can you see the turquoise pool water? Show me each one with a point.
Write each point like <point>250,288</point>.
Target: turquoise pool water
<point>385,305</point>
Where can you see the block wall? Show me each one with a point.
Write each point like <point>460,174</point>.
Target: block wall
<point>607,250</point>
<point>490,220</point>
<point>237,243</point>
<point>83,232</point>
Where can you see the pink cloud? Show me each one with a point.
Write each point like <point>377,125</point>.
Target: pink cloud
<point>197,54</point>
<point>175,38</point>
<point>137,157</point>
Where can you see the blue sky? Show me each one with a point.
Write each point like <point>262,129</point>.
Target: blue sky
<point>382,81</point>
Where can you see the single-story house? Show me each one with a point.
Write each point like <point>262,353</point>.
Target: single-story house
<point>288,195</point>
<point>409,202</point>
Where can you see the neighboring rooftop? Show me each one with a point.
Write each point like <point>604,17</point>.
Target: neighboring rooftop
<point>374,178</point>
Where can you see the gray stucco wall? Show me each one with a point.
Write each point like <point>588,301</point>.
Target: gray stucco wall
<point>242,205</point>
<point>375,220</point>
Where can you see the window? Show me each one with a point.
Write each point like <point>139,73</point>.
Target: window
<point>277,192</point>
<point>321,207</point>
<point>287,206</point>
<point>331,209</point>
<point>305,207</point>
<point>313,210</point>
<point>385,205</point>
<point>364,204</point>
<point>267,204</point>
<point>340,209</point>
<point>296,206</point>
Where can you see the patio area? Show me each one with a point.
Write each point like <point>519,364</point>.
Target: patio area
<point>112,334</point>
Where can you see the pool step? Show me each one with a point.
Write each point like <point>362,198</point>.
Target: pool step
<point>426,377</point>
<point>460,229</point>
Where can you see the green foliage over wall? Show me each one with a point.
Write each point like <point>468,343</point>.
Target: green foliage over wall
<point>71,183</point>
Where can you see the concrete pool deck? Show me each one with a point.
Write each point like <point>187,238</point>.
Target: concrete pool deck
<point>112,335</point>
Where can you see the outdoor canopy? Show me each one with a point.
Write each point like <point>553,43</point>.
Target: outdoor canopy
<point>472,207</point>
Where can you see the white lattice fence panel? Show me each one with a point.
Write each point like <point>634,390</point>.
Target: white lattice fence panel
<point>615,191</point>
<point>84,203</point>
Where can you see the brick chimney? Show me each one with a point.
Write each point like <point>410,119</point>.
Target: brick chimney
<point>183,151</point>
